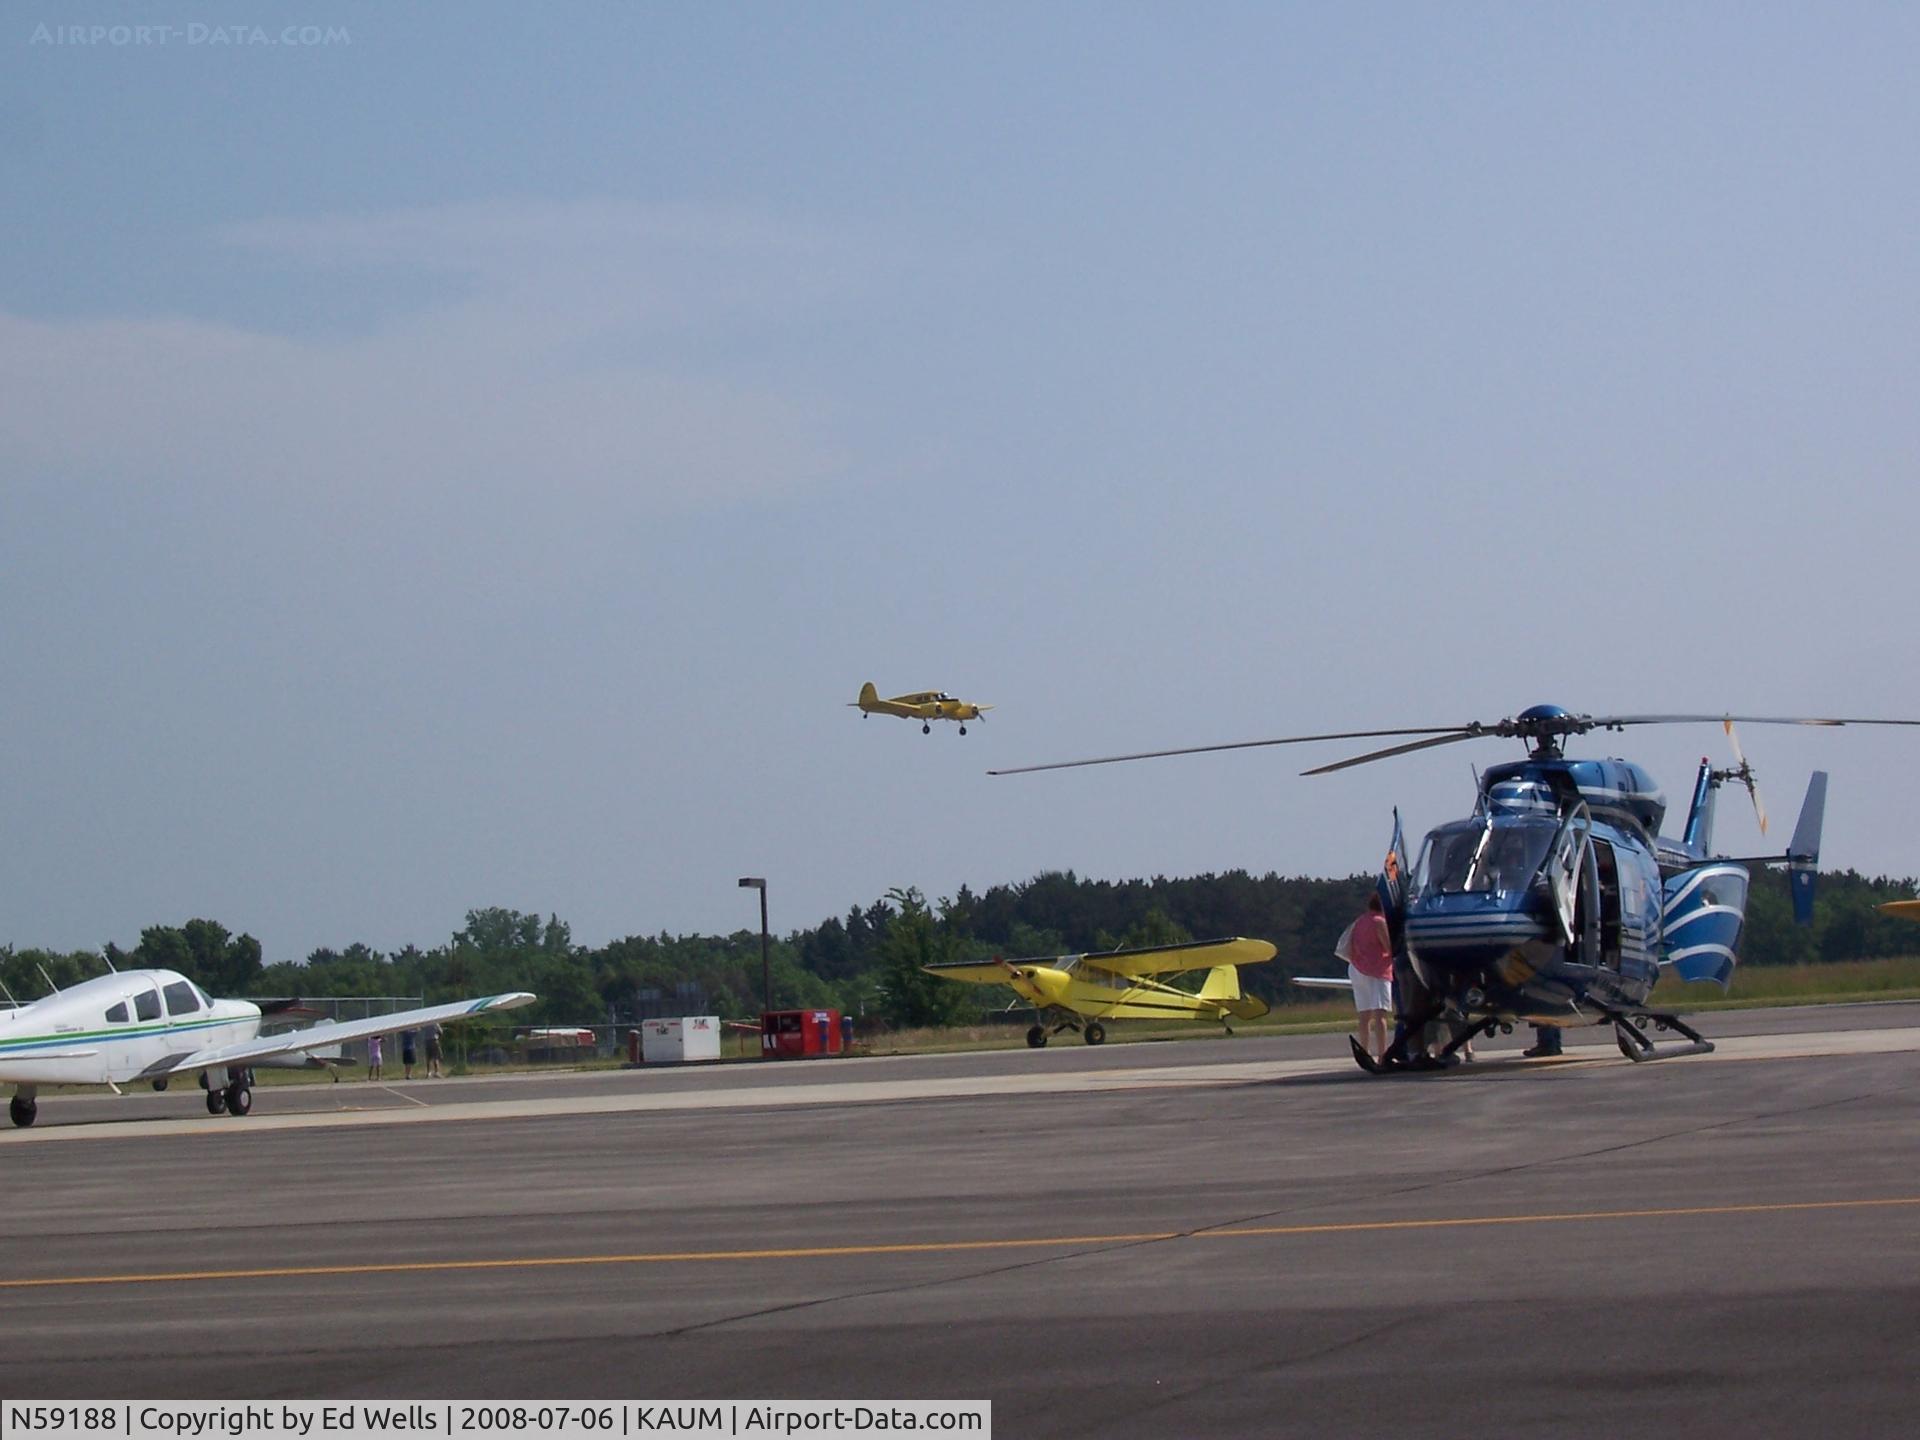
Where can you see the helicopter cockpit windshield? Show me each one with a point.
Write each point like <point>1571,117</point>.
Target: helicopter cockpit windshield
<point>1493,853</point>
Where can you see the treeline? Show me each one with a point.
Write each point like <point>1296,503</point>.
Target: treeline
<point>868,963</point>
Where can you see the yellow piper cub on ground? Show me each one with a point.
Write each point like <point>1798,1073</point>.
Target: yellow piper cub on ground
<point>1064,990</point>
<point>922,705</point>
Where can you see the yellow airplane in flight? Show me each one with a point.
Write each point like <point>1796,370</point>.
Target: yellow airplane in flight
<point>1905,909</point>
<point>923,705</point>
<point>1119,985</point>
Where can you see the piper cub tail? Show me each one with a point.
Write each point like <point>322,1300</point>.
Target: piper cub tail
<point>1222,987</point>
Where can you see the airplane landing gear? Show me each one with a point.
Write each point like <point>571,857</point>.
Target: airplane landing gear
<point>1037,1037</point>
<point>963,729</point>
<point>238,1097</point>
<point>216,1102</point>
<point>925,728</point>
<point>161,1083</point>
<point>1095,1033</point>
<point>23,1109</point>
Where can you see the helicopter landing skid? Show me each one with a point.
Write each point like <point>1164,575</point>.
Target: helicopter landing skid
<point>1638,1048</point>
<point>1397,1062</point>
<point>1407,1055</point>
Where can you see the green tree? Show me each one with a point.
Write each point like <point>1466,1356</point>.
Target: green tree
<point>908,995</point>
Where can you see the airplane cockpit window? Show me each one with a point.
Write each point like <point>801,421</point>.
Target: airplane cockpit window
<point>1483,856</point>
<point>181,999</point>
<point>146,1005</point>
<point>118,1014</point>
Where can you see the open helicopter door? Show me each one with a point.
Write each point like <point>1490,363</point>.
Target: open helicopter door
<point>1391,886</point>
<point>1568,863</point>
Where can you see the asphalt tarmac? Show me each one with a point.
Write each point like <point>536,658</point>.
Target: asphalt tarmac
<point>1199,1239</point>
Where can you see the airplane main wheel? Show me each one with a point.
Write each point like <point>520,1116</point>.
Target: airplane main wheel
<point>216,1102</point>
<point>161,1083</point>
<point>1037,1037</point>
<point>239,1099</point>
<point>24,1109</point>
<point>1096,1033</point>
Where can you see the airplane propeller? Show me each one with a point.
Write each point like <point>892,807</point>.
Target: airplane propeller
<point>1543,726</point>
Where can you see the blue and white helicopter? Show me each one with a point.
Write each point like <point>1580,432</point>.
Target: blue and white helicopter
<point>1557,902</point>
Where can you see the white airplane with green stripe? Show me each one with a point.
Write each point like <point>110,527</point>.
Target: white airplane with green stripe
<point>150,1025</point>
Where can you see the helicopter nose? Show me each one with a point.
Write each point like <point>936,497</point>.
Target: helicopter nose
<point>1458,939</point>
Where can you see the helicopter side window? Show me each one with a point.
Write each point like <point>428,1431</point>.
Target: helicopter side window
<point>146,1005</point>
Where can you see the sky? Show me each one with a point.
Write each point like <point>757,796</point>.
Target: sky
<point>472,455</point>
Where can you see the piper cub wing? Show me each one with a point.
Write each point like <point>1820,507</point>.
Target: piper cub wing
<point>925,706</point>
<point>1065,990</point>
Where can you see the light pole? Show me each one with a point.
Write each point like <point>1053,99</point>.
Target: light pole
<point>753,882</point>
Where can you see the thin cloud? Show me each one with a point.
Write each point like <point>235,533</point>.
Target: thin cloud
<point>558,372</point>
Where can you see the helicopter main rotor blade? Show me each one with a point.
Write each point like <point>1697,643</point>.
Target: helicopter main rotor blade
<point>1451,732</point>
<point>1391,750</point>
<point>1613,722</point>
<point>1528,726</point>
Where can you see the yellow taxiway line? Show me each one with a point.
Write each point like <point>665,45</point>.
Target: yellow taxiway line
<point>951,1247</point>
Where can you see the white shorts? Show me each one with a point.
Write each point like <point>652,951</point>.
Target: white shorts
<point>1369,993</point>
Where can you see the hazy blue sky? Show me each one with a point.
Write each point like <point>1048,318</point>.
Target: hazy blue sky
<point>474,459</point>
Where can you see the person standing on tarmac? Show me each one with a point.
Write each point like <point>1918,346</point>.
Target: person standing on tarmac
<point>1546,1042</point>
<point>1369,956</point>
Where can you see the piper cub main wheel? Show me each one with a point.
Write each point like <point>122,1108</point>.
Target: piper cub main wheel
<point>1037,1037</point>
<point>1096,1033</point>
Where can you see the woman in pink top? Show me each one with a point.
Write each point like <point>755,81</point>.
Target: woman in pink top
<point>1369,956</point>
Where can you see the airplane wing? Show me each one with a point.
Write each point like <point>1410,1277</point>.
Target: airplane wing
<point>985,972</point>
<point>328,1033</point>
<point>1169,959</point>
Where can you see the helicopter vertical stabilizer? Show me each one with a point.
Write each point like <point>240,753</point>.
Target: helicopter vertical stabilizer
<point>1803,854</point>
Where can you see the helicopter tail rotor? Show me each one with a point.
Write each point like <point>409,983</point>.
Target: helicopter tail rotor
<point>1743,772</point>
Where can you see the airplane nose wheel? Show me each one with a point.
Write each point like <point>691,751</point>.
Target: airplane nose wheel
<point>1037,1037</point>
<point>1095,1033</point>
<point>24,1109</point>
